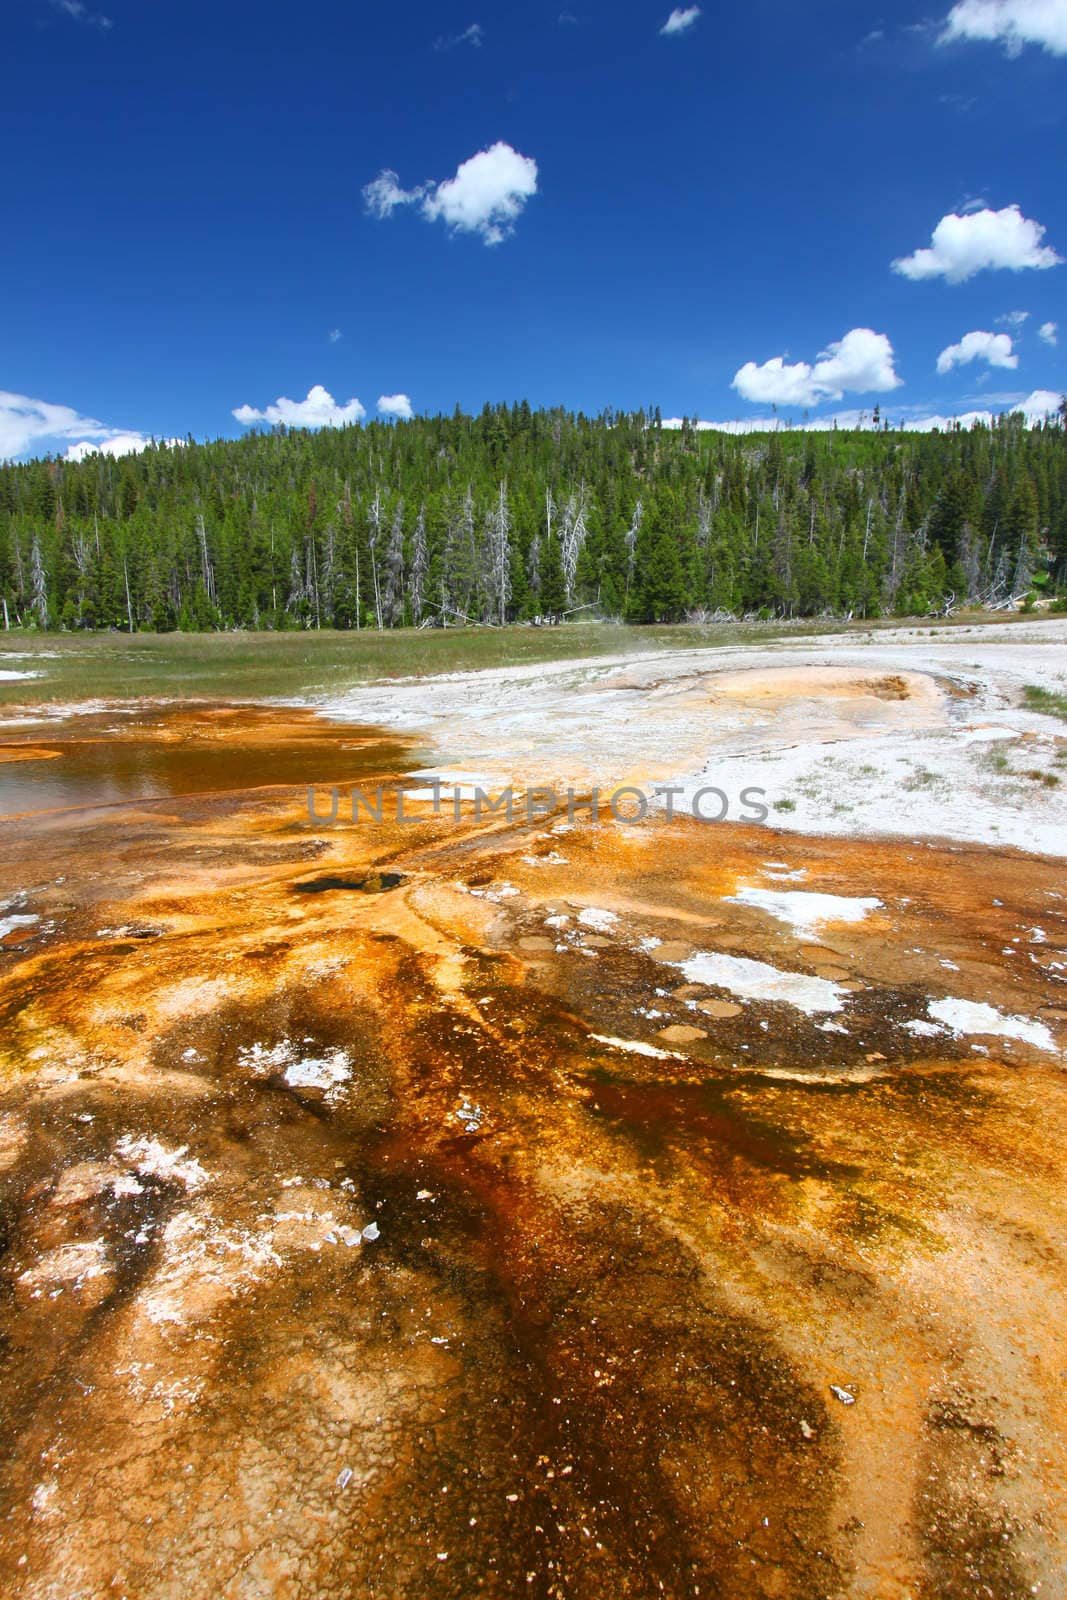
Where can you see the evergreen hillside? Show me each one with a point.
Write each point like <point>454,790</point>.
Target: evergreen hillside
<point>515,513</point>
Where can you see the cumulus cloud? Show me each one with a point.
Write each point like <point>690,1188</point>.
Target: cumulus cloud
<point>487,195</point>
<point>335,335</point>
<point>861,362</point>
<point>395,405</point>
<point>319,410</point>
<point>964,246</point>
<point>1014,319</point>
<point>116,444</point>
<point>1040,404</point>
<point>996,348</point>
<point>680,21</point>
<point>776,383</point>
<point>1013,23</point>
<point>1035,407</point>
<point>474,35</point>
<point>1048,331</point>
<point>26,423</point>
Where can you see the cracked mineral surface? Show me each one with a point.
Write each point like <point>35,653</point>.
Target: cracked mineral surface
<point>517,1207</point>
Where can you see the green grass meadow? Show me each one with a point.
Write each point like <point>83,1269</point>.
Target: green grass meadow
<point>254,666</point>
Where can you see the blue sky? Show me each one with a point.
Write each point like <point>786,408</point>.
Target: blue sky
<point>584,210</point>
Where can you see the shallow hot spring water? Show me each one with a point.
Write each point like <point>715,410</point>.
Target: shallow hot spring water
<point>131,754</point>
<point>481,1208</point>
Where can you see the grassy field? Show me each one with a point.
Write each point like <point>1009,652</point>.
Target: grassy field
<point>239,666</point>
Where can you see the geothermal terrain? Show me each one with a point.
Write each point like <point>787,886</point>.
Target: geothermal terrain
<point>528,1204</point>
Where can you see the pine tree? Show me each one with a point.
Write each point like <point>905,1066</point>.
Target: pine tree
<point>662,596</point>
<point>1022,534</point>
<point>553,586</point>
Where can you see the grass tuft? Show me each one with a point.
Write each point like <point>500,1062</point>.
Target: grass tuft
<point>1047,701</point>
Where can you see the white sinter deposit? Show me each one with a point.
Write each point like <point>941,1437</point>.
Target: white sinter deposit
<point>804,912</point>
<point>973,1017</point>
<point>756,980</point>
<point>329,1072</point>
<point>908,731</point>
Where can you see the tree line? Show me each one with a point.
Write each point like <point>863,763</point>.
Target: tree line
<point>518,514</point>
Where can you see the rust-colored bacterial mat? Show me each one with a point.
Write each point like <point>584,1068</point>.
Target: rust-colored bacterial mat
<point>487,1208</point>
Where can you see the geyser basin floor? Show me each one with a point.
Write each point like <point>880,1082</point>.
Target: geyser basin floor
<point>346,1252</point>
<point>908,731</point>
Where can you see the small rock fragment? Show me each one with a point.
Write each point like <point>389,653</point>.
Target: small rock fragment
<point>672,952</point>
<point>721,1009</point>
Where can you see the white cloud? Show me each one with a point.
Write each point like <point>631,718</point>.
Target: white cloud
<point>1014,23</point>
<point>81,13</point>
<point>963,246</point>
<point>861,362</point>
<point>26,423</point>
<point>117,444</point>
<point>1040,404</point>
<point>474,35</point>
<point>395,405</point>
<point>319,410</point>
<point>385,194</point>
<point>1035,407</point>
<point>335,335</point>
<point>1014,319</point>
<point>486,196</point>
<point>679,21</point>
<point>962,105</point>
<point>996,348</point>
<point>1048,332</point>
<point>776,383</point>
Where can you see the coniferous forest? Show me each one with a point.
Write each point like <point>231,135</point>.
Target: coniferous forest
<point>516,514</point>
